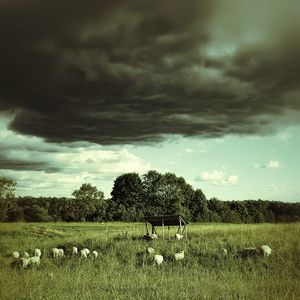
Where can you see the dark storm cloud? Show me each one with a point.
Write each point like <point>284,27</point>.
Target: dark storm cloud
<point>10,164</point>
<point>115,72</point>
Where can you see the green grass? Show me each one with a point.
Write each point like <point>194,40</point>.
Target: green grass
<point>123,271</point>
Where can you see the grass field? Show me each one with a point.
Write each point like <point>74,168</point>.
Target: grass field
<point>123,271</point>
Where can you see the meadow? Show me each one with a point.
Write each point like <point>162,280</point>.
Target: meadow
<point>123,270</point>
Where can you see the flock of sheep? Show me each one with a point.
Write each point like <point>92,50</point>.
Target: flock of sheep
<point>26,261</point>
<point>264,251</point>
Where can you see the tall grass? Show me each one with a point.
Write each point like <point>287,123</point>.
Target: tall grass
<point>124,271</point>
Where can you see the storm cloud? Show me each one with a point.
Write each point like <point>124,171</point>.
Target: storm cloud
<point>125,72</point>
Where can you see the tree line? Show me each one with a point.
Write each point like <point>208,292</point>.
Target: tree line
<point>133,197</point>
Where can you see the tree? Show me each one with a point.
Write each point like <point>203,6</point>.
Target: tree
<point>198,206</point>
<point>166,194</point>
<point>241,209</point>
<point>36,213</point>
<point>127,198</point>
<point>7,196</point>
<point>86,201</point>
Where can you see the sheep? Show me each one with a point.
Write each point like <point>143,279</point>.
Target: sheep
<point>55,252</point>
<point>95,254</point>
<point>74,251</point>
<point>224,251</point>
<point>37,252</point>
<point>84,253</point>
<point>34,261</point>
<point>25,254</point>
<point>20,263</point>
<point>61,252</point>
<point>150,250</point>
<point>87,251</point>
<point>15,254</point>
<point>265,250</point>
<point>179,256</point>
<point>158,259</point>
<point>24,262</point>
<point>178,236</point>
<point>153,236</point>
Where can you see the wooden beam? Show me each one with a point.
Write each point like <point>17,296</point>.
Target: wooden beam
<point>147,230</point>
<point>180,225</point>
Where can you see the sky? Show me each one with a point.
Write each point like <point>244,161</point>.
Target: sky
<point>208,90</point>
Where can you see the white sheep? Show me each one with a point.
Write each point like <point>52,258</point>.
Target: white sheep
<point>74,251</point>
<point>87,250</point>
<point>266,250</point>
<point>150,250</point>
<point>95,254</point>
<point>179,255</point>
<point>61,252</point>
<point>23,262</point>
<point>158,259</point>
<point>25,254</point>
<point>15,254</point>
<point>37,252</point>
<point>153,236</point>
<point>84,253</point>
<point>55,252</point>
<point>178,236</point>
<point>34,261</point>
<point>224,252</point>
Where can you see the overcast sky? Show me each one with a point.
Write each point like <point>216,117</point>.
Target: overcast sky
<point>209,90</point>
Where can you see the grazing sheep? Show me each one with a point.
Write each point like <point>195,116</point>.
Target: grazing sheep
<point>158,259</point>
<point>95,254</point>
<point>55,252</point>
<point>265,250</point>
<point>15,254</point>
<point>37,252</point>
<point>150,250</point>
<point>179,256</point>
<point>153,236</point>
<point>84,253</point>
<point>25,254</point>
<point>61,252</point>
<point>20,263</point>
<point>34,261</point>
<point>178,236</point>
<point>87,250</point>
<point>74,251</point>
<point>224,252</point>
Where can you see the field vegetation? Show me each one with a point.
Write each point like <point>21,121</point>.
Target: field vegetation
<point>124,271</point>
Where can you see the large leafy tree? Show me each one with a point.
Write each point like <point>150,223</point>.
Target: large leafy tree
<point>166,194</point>
<point>7,196</point>
<point>198,206</point>
<point>127,198</point>
<point>86,202</point>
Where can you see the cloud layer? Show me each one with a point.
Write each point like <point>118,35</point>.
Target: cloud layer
<point>123,72</point>
<point>218,177</point>
<point>41,168</point>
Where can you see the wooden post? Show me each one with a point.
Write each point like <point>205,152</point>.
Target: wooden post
<point>180,225</point>
<point>163,230</point>
<point>169,232</point>
<point>147,230</point>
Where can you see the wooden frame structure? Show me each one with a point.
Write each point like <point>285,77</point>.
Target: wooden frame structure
<point>170,220</point>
